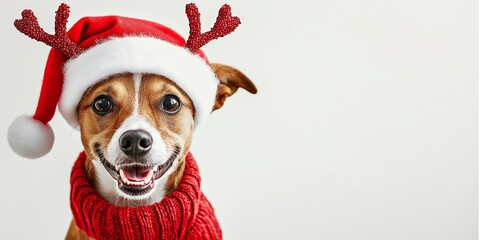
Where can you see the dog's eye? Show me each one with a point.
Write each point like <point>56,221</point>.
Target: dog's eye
<point>170,104</point>
<point>102,105</point>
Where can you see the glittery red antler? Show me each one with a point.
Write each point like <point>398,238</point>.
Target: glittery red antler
<point>29,26</point>
<point>225,24</point>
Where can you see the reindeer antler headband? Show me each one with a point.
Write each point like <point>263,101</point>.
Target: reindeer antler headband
<point>28,25</point>
<point>224,25</point>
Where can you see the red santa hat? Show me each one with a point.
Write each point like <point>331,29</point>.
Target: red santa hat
<point>98,47</point>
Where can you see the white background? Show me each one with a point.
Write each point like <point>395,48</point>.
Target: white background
<point>364,127</point>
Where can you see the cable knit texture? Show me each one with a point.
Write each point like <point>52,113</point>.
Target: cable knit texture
<point>184,214</point>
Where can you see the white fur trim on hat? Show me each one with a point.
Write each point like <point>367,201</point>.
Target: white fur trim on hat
<point>139,55</point>
<point>30,138</point>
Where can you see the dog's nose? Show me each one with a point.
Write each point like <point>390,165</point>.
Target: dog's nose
<point>135,143</point>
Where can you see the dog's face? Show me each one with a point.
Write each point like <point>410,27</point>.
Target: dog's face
<point>137,129</point>
<point>134,128</point>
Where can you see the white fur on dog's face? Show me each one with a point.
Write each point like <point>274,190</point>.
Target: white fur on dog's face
<point>171,137</point>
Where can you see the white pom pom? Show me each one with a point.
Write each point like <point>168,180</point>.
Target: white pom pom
<point>30,138</point>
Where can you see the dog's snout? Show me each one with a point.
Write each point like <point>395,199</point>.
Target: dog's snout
<point>135,143</point>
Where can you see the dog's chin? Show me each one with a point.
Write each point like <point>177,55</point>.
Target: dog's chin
<point>136,180</point>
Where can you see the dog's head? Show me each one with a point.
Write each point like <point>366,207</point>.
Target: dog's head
<point>137,130</point>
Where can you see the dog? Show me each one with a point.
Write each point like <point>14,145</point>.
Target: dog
<point>137,91</point>
<point>136,130</point>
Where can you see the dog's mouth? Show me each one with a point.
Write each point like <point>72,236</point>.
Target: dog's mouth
<point>136,179</point>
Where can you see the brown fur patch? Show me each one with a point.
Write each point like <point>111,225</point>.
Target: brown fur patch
<point>174,129</point>
<point>230,80</point>
<point>100,129</point>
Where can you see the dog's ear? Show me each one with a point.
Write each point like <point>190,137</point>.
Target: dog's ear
<point>230,80</point>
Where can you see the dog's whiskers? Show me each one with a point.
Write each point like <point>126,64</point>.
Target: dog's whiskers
<point>90,168</point>
<point>114,195</point>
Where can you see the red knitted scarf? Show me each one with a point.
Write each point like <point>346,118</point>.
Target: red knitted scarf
<point>184,214</point>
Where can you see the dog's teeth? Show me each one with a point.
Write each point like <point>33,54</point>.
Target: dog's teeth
<point>122,175</point>
<point>117,168</point>
<point>155,168</point>
<point>125,180</point>
<point>149,177</point>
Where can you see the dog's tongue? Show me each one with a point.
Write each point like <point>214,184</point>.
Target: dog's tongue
<point>136,173</point>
